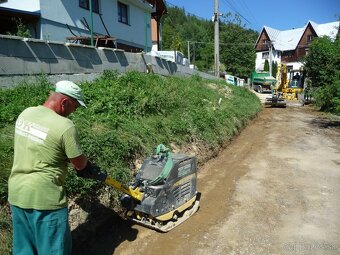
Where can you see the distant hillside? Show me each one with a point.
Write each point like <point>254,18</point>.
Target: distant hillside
<point>237,52</point>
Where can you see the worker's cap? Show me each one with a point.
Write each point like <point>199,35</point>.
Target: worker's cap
<point>70,89</point>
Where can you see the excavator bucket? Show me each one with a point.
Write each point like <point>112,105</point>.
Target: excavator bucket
<point>276,100</point>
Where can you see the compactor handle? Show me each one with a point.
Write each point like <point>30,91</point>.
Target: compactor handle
<point>135,193</point>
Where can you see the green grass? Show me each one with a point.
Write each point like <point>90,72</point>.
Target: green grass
<point>128,115</point>
<point>5,231</point>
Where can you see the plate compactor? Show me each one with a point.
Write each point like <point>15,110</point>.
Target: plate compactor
<point>163,194</point>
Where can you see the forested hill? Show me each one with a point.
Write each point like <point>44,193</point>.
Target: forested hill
<point>237,51</point>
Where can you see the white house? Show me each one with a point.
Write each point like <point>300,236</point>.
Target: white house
<point>125,23</point>
<point>290,46</point>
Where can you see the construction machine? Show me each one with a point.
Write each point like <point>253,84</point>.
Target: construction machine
<point>262,81</point>
<point>289,86</point>
<point>291,82</point>
<point>163,193</point>
<point>276,99</point>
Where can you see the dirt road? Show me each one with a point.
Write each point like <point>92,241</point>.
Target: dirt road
<point>274,190</point>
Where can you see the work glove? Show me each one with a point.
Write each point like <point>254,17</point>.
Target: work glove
<point>91,171</point>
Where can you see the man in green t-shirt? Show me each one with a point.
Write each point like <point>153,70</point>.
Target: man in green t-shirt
<point>45,141</point>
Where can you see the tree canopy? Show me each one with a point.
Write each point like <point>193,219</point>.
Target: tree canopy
<point>237,44</point>
<point>323,71</point>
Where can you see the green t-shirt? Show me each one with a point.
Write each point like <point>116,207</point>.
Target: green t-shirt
<point>43,143</point>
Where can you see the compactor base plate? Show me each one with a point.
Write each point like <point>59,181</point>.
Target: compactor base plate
<point>165,226</point>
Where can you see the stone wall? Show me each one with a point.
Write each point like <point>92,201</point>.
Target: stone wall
<point>22,58</point>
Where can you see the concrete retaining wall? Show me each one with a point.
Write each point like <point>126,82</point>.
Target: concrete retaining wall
<point>22,57</point>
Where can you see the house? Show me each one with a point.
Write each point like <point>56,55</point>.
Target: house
<point>156,33</point>
<point>289,46</point>
<point>125,24</point>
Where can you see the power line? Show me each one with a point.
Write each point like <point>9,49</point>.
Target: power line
<point>226,44</point>
<point>237,12</point>
<point>245,6</point>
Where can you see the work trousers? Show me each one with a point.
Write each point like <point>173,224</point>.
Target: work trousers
<point>41,232</point>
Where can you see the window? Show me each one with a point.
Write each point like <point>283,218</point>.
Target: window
<point>265,55</point>
<point>309,38</point>
<point>123,13</point>
<point>288,53</point>
<point>86,5</point>
<point>306,51</point>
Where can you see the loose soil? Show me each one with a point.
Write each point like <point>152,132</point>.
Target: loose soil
<point>273,190</point>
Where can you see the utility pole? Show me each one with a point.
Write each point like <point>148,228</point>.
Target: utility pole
<point>91,21</point>
<point>175,55</point>
<point>145,33</point>
<point>270,58</point>
<point>217,46</point>
<point>189,51</point>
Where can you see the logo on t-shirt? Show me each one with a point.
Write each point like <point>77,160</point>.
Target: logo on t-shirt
<point>30,130</point>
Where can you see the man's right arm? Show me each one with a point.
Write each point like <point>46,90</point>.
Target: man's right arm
<point>79,162</point>
<point>86,169</point>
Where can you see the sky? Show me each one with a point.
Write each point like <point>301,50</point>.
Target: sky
<point>281,15</point>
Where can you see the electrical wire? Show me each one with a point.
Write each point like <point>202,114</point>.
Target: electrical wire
<point>246,8</point>
<point>237,12</point>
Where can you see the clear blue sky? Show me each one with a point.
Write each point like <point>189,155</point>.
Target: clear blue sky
<point>281,15</point>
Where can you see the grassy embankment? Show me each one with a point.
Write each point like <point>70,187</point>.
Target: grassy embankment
<point>127,116</point>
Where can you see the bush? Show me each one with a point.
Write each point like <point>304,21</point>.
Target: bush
<point>328,97</point>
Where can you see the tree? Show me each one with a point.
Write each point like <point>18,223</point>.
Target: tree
<point>320,62</point>
<point>274,69</point>
<point>266,65</point>
<point>322,66</point>
<point>237,52</point>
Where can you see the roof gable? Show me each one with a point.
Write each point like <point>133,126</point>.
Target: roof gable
<point>285,40</point>
<point>327,29</point>
<point>289,39</point>
<point>160,8</point>
<point>262,37</point>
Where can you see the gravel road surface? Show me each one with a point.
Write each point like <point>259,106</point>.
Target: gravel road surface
<point>275,189</point>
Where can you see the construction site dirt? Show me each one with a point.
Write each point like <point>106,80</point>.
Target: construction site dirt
<point>273,190</point>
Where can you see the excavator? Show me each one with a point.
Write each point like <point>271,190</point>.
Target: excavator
<point>163,194</point>
<point>291,82</point>
<point>289,86</point>
<point>276,99</point>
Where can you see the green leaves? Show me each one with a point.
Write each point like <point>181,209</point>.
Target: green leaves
<point>322,66</point>
<point>15,100</point>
